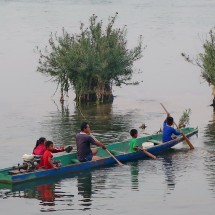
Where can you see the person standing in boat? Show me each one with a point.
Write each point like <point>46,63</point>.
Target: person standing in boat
<point>133,146</point>
<point>84,142</point>
<point>40,147</point>
<point>168,130</point>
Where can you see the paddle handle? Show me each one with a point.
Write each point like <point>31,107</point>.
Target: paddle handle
<point>164,108</point>
<point>184,136</point>
<point>168,113</point>
<point>113,157</point>
<point>108,151</point>
<point>147,153</point>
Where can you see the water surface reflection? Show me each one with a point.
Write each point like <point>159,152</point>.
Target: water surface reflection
<point>134,176</point>
<point>108,126</point>
<point>169,168</point>
<point>209,155</point>
<point>85,190</point>
<point>59,194</point>
<point>209,131</point>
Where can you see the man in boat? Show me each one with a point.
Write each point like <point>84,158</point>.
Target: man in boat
<point>168,130</point>
<point>84,141</point>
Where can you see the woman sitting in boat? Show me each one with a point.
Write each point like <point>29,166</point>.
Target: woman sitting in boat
<point>46,160</point>
<point>84,141</point>
<point>40,147</point>
<point>168,130</point>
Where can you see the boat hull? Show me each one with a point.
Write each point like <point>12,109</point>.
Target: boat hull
<point>70,164</point>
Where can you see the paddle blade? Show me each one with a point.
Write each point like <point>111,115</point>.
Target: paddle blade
<point>188,141</point>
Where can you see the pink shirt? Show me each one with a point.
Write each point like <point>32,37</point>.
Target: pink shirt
<point>39,150</point>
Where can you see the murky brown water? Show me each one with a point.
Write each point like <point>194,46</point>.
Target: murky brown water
<point>179,181</point>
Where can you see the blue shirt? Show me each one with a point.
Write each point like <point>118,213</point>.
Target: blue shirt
<point>167,132</point>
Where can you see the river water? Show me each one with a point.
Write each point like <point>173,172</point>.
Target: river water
<point>180,181</point>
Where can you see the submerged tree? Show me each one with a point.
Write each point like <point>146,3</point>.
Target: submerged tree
<point>90,62</point>
<point>206,61</point>
<point>185,118</point>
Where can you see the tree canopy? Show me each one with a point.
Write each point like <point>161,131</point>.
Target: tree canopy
<point>90,62</point>
<point>206,60</point>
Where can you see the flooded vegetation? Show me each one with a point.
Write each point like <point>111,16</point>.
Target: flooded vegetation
<point>179,180</point>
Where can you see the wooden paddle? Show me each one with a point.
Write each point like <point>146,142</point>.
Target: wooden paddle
<point>186,139</point>
<point>147,153</point>
<point>108,151</point>
<point>114,157</point>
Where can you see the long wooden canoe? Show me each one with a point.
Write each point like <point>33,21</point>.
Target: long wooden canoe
<point>70,164</point>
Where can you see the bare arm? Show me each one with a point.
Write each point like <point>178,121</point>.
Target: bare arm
<point>51,163</point>
<point>100,144</point>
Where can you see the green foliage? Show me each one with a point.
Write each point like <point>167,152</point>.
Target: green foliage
<point>206,59</point>
<point>184,119</point>
<point>90,62</point>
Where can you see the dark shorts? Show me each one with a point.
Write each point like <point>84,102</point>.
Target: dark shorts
<point>87,158</point>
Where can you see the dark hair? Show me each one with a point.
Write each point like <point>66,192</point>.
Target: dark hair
<point>133,132</point>
<point>84,125</point>
<point>41,140</point>
<point>169,120</point>
<point>48,143</point>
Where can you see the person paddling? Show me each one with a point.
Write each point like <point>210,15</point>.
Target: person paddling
<point>84,141</point>
<point>168,130</point>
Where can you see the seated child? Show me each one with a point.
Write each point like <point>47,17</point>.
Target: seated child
<point>46,160</point>
<point>168,130</point>
<point>133,146</point>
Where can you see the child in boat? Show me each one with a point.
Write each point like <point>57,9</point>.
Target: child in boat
<point>40,147</point>
<point>168,130</point>
<point>46,160</point>
<point>133,146</point>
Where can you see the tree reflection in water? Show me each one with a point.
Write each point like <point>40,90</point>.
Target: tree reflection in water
<point>209,134</point>
<point>63,124</point>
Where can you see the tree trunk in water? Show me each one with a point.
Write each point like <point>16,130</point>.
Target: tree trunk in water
<point>62,96</point>
<point>214,103</point>
<point>101,94</point>
<point>213,93</point>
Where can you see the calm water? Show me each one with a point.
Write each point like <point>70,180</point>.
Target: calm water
<point>179,181</point>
